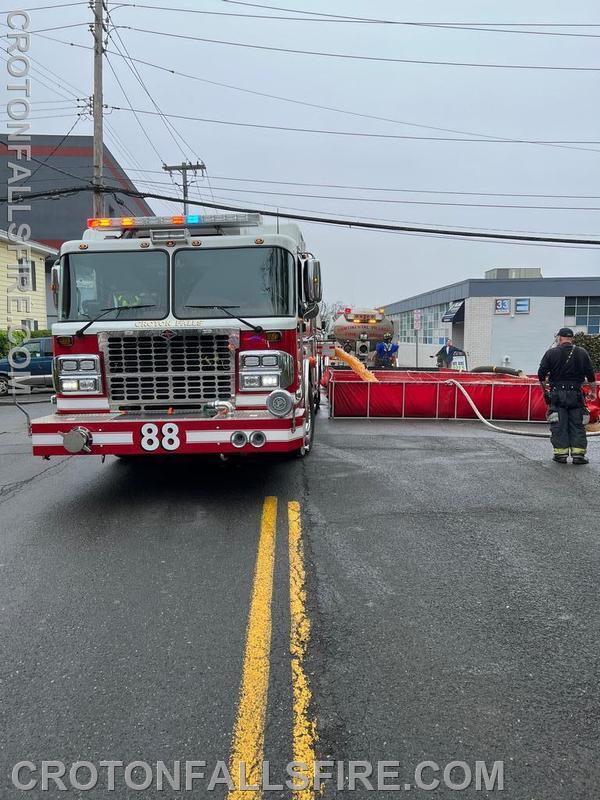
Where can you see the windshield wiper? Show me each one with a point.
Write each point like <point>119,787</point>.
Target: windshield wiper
<point>106,311</point>
<point>226,311</point>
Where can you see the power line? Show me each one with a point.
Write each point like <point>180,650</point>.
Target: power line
<point>349,223</point>
<point>355,57</point>
<point>387,200</point>
<point>44,163</point>
<point>280,212</point>
<point>406,202</point>
<point>135,113</point>
<point>386,189</point>
<point>41,80</point>
<point>393,136</point>
<point>339,19</point>
<point>318,106</point>
<point>48,7</point>
<point>53,168</point>
<point>135,72</point>
<point>396,221</point>
<point>467,24</point>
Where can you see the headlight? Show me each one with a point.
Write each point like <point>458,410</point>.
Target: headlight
<point>69,385</point>
<point>78,374</point>
<point>257,381</point>
<point>88,385</point>
<point>250,382</point>
<point>265,369</point>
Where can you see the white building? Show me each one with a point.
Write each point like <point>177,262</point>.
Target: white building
<point>508,318</point>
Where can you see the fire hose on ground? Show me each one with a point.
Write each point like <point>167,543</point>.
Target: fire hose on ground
<point>497,427</point>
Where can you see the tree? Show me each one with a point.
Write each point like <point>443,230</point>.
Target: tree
<point>329,312</point>
<point>591,343</point>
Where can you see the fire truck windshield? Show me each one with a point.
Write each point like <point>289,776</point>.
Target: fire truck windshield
<point>95,282</point>
<point>257,281</point>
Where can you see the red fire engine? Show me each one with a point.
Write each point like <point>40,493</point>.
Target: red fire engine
<point>185,334</point>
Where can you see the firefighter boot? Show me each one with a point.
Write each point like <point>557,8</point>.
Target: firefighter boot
<point>560,455</point>
<point>578,456</point>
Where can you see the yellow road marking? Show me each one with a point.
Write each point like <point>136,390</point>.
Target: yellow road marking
<point>304,727</point>
<point>249,732</point>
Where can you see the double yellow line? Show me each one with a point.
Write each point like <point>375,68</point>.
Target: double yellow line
<point>247,756</point>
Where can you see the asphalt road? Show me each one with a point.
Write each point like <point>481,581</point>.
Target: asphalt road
<point>450,600</point>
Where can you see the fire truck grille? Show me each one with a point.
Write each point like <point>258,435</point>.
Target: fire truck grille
<point>174,368</point>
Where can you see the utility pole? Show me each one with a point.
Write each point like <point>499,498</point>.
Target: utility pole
<point>98,111</point>
<point>184,168</point>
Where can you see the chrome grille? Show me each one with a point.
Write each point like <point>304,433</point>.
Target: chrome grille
<point>169,368</point>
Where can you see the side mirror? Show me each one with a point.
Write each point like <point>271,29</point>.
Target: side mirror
<point>55,282</point>
<point>312,281</point>
<point>311,311</point>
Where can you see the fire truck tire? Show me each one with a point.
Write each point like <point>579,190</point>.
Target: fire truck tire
<point>310,425</point>
<point>3,385</point>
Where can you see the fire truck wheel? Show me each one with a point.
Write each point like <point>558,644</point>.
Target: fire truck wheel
<point>317,397</point>
<point>310,427</point>
<point>3,385</point>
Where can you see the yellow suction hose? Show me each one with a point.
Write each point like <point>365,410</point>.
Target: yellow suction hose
<point>355,365</point>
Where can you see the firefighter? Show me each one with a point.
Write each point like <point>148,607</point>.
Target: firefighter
<point>385,352</point>
<point>562,372</point>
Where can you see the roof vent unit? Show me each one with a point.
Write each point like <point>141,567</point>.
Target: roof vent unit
<point>513,273</point>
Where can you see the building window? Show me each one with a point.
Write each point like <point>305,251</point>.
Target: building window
<point>584,312</point>
<point>502,305</point>
<point>433,330</point>
<point>27,276</point>
<point>522,305</point>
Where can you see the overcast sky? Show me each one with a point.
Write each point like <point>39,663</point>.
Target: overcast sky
<point>360,267</point>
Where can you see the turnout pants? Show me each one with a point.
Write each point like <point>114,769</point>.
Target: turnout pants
<point>566,416</point>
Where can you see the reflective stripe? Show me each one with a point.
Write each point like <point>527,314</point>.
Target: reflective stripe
<point>561,451</point>
<point>56,439</point>
<point>578,451</point>
<point>200,437</point>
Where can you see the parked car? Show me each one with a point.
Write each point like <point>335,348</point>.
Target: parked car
<point>37,374</point>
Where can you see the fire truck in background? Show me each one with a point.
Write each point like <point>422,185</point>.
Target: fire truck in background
<point>185,334</point>
<point>358,330</point>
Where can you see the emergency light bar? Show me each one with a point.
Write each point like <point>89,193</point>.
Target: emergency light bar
<point>177,221</point>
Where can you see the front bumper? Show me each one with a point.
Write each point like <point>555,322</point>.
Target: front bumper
<point>166,434</point>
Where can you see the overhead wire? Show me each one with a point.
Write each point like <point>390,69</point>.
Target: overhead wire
<point>370,19</point>
<point>361,134</point>
<point>174,133</point>
<point>388,189</point>
<point>375,200</point>
<point>319,106</point>
<point>358,57</point>
<point>50,7</point>
<point>54,149</point>
<point>340,222</point>
<point>339,19</point>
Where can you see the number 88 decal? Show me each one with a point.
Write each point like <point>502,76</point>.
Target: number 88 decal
<point>168,438</point>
